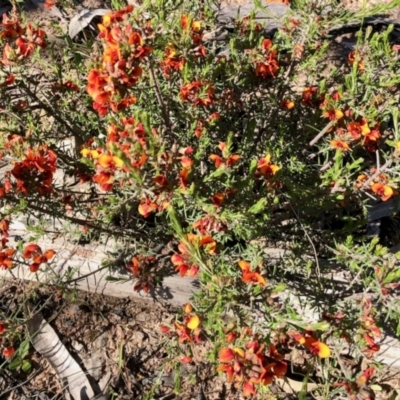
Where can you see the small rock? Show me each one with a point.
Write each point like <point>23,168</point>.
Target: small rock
<point>119,312</point>
<point>138,335</point>
<point>142,317</point>
<point>77,346</point>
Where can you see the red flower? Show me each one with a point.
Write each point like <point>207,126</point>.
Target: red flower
<point>310,97</point>
<point>35,172</point>
<point>287,104</point>
<point>200,93</point>
<point>8,352</point>
<point>268,67</point>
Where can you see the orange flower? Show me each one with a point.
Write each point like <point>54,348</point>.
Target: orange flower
<point>280,369</point>
<point>209,243</point>
<point>187,162</point>
<point>364,378</point>
<point>90,153</point>
<point>184,178</point>
<point>183,261</point>
<point>5,258</point>
<point>265,167</point>
<point>31,250</point>
<point>104,179</point>
<point>185,359</point>
<point>228,369</point>
<point>248,389</point>
<point>312,344</point>
<point>361,179</point>
<point>109,162</point>
<point>35,252</point>
<point>318,348</point>
<point>226,355</point>
<point>188,308</point>
<point>146,207</point>
<point>354,57</point>
<point>250,277</point>
<point>269,66</point>
<point>333,114</point>
<point>340,145</point>
<point>287,104</point>
<point>355,129</point>
<point>218,161</point>
<point>184,21</point>
<point>200,93</point>
<point>385,192</point>
<point>231,337</point>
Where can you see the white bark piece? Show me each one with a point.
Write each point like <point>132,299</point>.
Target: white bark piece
<point>45,340</point>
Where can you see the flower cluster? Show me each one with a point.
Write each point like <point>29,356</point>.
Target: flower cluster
<point>128,138</point>
<point>183,261</point>
<point>227,159</point>
<point>209,224</point>
<point>199,93</point>
<point>188,331</point>
<point>173,60</point>
<point>251,366</point>
<point>34,252</point>
<point>6,338</point>
<point>377,184</point>
<point>35,172</point>
<point>268,66</point>
<point>21,40</point>
<point>353,388</point>
<point>370,332</point>
<point>124,51</point>
<point>143,269</point>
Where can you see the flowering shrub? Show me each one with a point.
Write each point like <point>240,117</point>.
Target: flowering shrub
<point>222,150</point>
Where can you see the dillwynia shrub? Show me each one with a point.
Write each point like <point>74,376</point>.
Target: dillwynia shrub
<point>219,143</point>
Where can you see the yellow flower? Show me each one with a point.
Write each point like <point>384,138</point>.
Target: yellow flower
<point>193,322</point>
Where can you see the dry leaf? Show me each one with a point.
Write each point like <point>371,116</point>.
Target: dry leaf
<point>81,20</point>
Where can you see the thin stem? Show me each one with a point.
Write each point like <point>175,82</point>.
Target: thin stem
<point>159,96</point>
<point>322,133</point>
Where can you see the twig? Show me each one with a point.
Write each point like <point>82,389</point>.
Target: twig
<point>385,166</point>
<point>74,130</point>
<point>312,245</point>
<point>91,273</point>
<point>342,367</point>
<point>20,384</point>
<point>322,133</point>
